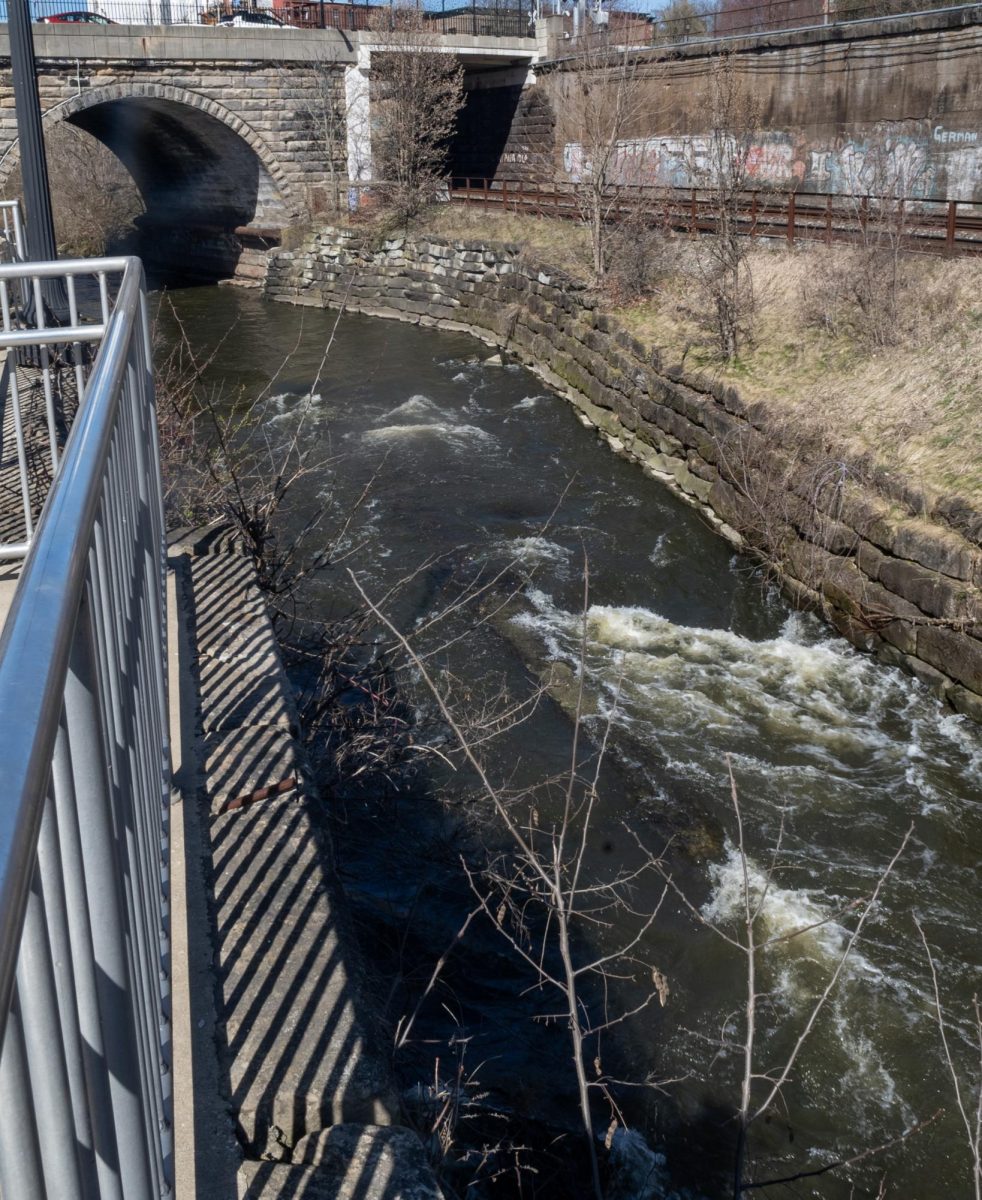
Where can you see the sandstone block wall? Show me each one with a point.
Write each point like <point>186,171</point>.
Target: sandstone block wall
<point>896,572</point>
<point>219,129</point>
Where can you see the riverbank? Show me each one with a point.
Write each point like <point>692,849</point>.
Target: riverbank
<point>894,567</point>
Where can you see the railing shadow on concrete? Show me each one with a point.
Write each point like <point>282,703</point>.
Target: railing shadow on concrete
<point>85,1081</point>
<point>298,1062</point>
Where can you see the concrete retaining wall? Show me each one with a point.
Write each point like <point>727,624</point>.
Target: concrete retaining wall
<point>895,571</point>
<point>889,108</point>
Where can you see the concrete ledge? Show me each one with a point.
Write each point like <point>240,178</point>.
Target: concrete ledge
<point>298,1053</point>
<point>245,767</point>
<point>295,1038</point>
<point>348,1162</point>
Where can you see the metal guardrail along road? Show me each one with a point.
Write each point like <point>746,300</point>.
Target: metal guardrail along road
<point>85,1080</point>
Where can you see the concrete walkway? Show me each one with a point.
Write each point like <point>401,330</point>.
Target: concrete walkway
<point>283,1088</point>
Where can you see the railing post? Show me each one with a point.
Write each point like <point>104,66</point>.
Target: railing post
<point>20,1155</point>
<point>693,229</point>
<point>828,219</point>
<point>484,188</point>
<point>504,195</point>
<point>753,215</point>
<point>791,218</point>
<point>50,1094</point>
<point>950,227</point>
<point>117,1003</point>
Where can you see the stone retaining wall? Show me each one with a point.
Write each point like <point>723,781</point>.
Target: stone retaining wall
<point>895,571</point>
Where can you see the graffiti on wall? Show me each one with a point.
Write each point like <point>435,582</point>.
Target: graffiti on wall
<point>917,163</point>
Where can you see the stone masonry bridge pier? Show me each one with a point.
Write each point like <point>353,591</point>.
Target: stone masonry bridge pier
<point>231,135</point>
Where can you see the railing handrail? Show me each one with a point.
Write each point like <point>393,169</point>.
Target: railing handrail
<point>37,634</point>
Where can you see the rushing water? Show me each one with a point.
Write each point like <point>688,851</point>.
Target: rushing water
<point>692,659</point>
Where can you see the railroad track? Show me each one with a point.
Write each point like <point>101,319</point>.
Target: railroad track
<point>949,227</point>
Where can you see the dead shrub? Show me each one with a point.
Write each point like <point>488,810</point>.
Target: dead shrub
<point>640,259</point>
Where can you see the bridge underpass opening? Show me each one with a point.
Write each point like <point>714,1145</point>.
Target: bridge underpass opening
<point>200,183</point>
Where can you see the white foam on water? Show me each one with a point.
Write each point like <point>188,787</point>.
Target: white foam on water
<point>815,694</point>
<point>528,402</point>
<point>659,556</point>
<point>456,436</point>
<point>288,406</point>
<point>866,1078</point>
<point>415,406</point>
<point>785,910</point>
<point>537,550</point>
<point>432,422</point>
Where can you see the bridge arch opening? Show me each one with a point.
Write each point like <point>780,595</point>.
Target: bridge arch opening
<point>208,183</point>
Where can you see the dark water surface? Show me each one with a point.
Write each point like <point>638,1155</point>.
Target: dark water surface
<point>692,660</point>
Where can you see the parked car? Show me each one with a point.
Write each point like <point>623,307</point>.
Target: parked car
<point>75,18</point>
<point>242,20</point>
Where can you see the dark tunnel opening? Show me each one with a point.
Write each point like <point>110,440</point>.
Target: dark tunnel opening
<point>200,182</point>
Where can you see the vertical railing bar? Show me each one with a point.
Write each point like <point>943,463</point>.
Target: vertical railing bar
<point>25,483</point>
<point>46,1053</point>
<point>106,588</point>
<point>89,745</point>
<point>86,987</point>
<point>39,320</point>
<point>104,297</point>
<point>49,408</point>
<point>77,352</point>
<point>20,1155</point>
<point>128,490</point>
<point>146,692</point>
<point>64,968</point>
<point>154,591</point>
<point>19,230</point>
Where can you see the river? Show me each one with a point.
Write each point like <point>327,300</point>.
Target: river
<point>691,660</point>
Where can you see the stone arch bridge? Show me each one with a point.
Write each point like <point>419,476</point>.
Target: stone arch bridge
<point>231,135</point>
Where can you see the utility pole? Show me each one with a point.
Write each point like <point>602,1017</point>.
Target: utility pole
<point>40,228</point>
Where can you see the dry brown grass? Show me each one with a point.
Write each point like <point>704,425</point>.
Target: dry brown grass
<point>563,245</point>
<point>916,405</point>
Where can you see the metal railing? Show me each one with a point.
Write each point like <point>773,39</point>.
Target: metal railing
<point>41,380</point>
<point>494,18</point>
<point>12,238</point>
<point>675,24</point>
<point>85,1103</point>
<point>938,226</point>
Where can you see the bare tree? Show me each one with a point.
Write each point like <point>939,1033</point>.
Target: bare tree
<point>93,196</point>
<point>539,896</point>
<point>683,20</point>
<point>417,92</point>
<point>323,108</point>
<point>720,167</point>
<point>760,1090</point>
<point>969,1112</point>
<point>599,115</point>
<point>223,461</point>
